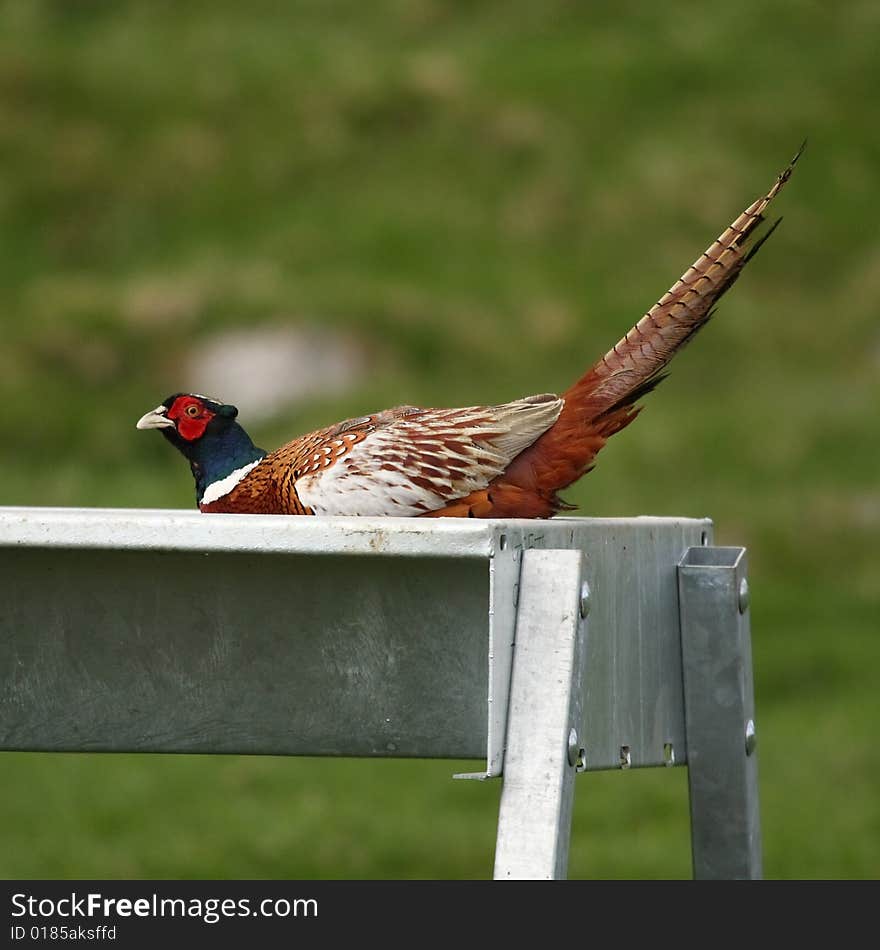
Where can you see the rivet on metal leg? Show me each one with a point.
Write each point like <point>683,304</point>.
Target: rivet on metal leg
<point>751,737</point>
<point>585,599</point>
<point>573,747</point>
<point>743,596</point>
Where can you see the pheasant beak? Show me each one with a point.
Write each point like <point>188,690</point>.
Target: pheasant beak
<point>155,419</point>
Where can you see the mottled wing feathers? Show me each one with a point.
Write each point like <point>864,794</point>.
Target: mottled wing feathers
<point>412,461</point>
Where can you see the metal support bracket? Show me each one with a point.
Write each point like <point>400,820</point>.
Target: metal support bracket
<point>719,713</point>
<point>543,748</point>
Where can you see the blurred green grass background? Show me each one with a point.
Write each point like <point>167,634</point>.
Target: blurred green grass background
<point>486,195</point>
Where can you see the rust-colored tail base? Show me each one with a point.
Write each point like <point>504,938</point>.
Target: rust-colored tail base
<point>603,401</point>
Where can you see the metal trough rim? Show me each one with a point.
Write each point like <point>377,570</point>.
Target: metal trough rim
<point>161,529</point>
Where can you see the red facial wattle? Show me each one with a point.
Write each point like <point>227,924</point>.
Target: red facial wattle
<point>191,417</point>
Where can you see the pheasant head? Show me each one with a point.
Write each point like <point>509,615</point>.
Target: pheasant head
<point>207,433</point>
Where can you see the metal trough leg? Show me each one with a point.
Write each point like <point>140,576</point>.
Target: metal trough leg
<point>543,747</point>
<point>719,713</point>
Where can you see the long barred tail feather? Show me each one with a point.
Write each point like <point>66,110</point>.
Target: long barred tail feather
<point>602,401</point>
<point>683,310</point>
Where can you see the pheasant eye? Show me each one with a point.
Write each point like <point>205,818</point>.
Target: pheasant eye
<point>192,410</point>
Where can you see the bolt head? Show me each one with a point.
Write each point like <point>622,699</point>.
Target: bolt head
<point>573,746</point>
<point>585,599</point>
<point>743,596</point>
<point>751,737</point>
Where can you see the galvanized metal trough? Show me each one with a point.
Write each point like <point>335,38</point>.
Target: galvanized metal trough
<point>542,647</point>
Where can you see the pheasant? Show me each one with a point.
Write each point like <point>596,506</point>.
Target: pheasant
<point>504,461</point>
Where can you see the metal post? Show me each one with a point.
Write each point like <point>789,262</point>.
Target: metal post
<point>543,745</point>
<point>719,713</point>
